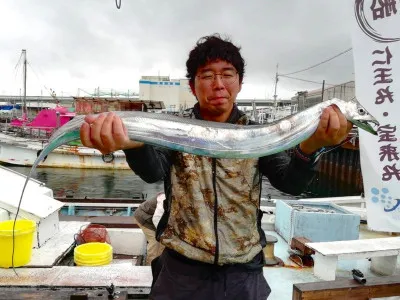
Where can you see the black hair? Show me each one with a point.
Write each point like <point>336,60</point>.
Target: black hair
<point>211,48</point>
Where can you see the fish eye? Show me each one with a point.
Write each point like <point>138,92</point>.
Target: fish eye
<point>361,111</point>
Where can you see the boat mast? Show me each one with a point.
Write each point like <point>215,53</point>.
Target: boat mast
<point>24,109</point>
<point>276,85</point>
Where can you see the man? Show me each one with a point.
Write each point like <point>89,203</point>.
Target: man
<point>211,227</point>
<point>147,216</point>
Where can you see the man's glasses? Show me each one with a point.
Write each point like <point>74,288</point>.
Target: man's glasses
<point>227,77</point>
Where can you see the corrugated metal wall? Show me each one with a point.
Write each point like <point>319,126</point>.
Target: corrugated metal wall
<point>339,174</point>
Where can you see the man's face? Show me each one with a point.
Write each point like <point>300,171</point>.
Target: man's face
<point>216,86</point>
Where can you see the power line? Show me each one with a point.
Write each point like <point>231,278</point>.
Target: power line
<point>318,64</point>
<point>305,80</point>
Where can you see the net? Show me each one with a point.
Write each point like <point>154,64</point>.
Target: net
<point>92,233</point>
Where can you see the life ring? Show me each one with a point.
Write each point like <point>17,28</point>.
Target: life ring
<point>108,158</point>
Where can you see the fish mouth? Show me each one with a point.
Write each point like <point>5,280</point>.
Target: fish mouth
<point>365,124</point>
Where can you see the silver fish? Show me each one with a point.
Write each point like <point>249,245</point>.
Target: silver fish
<point>215,139</point>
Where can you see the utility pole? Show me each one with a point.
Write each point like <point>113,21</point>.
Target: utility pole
<point>276,85</point>
<point>323,90</point>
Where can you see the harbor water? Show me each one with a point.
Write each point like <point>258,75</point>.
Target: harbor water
<point>94,183</point>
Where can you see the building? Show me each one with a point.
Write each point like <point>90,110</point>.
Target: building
<point>306,99</point>
<point>94,105</point>
<point>174,93</point>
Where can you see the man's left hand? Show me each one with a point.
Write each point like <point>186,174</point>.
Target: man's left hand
<point>332,129</point>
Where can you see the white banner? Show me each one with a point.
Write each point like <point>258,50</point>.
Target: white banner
<point>376,49</point>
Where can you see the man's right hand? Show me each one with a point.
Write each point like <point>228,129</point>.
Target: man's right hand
<point>107,133</point>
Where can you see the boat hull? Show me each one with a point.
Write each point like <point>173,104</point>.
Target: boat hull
<point>23,152</point>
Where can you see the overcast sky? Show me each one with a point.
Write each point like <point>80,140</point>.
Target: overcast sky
<point>90,43</point>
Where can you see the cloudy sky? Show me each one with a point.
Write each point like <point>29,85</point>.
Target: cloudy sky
<point>85,44</point>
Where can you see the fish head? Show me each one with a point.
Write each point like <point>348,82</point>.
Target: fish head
<point>358,115</point>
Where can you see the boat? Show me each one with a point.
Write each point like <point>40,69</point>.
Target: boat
<point>23,152</point>
<point>8,110</point>
<point>22,139</point>
<point>51,266</point>
<point>52,273</point>
<point>21,142</point>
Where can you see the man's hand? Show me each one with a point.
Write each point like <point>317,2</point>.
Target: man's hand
<point>106,133</point>
<point>332,129</point>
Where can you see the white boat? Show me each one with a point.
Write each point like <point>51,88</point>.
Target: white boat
<point>23,151</point>
<point>22,140</point>
<point>52,274</point>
